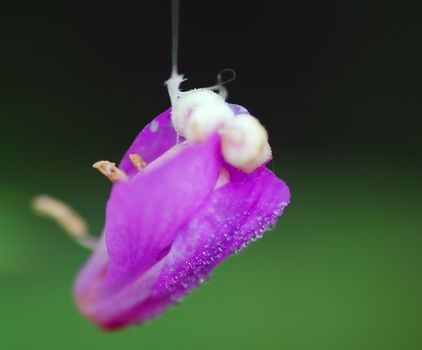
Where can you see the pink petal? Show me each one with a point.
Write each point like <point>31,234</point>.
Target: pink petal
<point>143,214</point>
<point>142,221</point>
<point>155,139</point>
<point>234,215</point>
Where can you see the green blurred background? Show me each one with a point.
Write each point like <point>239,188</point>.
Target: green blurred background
<point>336,83</point>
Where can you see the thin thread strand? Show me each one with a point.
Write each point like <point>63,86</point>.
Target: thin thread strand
<point>175,34</point>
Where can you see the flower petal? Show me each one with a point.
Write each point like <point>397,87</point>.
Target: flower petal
<point>238,109</point>
<point>142,221</point>
<point>156,138</point>
<point>234,215</point>
<point>144,214</point>
<point>91,274</point>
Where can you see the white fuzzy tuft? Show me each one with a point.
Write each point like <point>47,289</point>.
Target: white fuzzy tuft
<point>206,119</point>
<point>187,103</point>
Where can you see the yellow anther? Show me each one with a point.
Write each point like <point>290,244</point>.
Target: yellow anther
<point>113,173</point>
<point>137,161</point>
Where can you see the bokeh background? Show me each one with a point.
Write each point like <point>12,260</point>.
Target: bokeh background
<point>337,85</point>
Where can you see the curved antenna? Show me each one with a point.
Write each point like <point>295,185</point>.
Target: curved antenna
<point>173,83</point>
<point>220,80</point>
<point>220,86</point>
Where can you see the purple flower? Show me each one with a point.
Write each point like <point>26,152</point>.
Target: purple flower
<point>189,195</point>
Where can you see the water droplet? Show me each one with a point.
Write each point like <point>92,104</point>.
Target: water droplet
<point>154,126</point>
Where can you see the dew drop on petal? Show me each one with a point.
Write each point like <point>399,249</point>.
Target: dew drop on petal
<point>154,126</point>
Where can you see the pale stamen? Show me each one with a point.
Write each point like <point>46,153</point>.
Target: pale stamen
<point>109,169</point>
<point>66,217</point>
<point>223,178</point>
<point>137,161</point>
